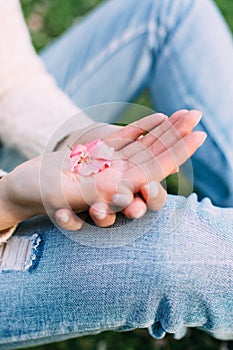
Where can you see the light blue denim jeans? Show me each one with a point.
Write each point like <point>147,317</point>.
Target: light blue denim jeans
<point>167,279</point>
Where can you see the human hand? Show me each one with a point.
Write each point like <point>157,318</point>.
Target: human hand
<point>23,183</point>
<point>177,126</point>
<point>100,212</point>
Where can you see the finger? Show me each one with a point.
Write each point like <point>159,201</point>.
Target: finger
<point>154,194</point>
<point>175,171</point>
<point>131,132</point>
<point>152,136</point>
<point>164,140</point>
<point>136,209</point>
<point>164,164</point>
<point>67,220</point>
<point>180,152</point>
<point>181,124</point>
<point>101,214</point>
<point>163,136</point>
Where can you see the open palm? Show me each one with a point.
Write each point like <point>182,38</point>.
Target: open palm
<point>46,184</point>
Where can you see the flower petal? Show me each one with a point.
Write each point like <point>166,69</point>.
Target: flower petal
<point>87,169</point>
<point>102,151</point>
<point>74,162</point>
<point>78,150</point>
<point>93,167</point>
<point>93,145</point>
<point>93,157</point>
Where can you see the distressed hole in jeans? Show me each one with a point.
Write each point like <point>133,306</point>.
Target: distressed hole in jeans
<point>20,253</point>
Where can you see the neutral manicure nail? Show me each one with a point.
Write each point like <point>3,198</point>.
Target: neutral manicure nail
<point>198,118</point>
<point>100,214</point>
<point>202,136</point>
<point>63,217</point>
<point>152,189</point>
<point>140,213</point>
<point>121,199</point>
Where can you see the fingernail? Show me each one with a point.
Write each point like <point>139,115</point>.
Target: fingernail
<point>199,115</point>
<point>63,217</point>
<point>202,136</point>
<point>100,214</point>
<point>152,189</point>
<point>140,213</point>
<point>162,115</point>
<point>121,200</point>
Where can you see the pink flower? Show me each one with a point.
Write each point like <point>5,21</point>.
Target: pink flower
<point>91,158</point>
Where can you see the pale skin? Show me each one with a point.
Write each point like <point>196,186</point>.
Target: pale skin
<point>139,165</point>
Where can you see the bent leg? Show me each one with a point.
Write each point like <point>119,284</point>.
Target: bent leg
<point>178,274</point>
<point>194,70</point>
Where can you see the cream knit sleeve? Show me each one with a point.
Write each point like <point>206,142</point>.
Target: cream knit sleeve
<point>32,106</point>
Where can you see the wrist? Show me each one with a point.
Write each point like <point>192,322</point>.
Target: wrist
<point>12,210</point>
<point>7,218</point>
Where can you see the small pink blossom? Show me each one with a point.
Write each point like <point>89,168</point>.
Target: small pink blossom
<point>91,158</point>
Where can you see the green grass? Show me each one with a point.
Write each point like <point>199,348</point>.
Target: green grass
<point>226,7</point>
<point>46,20</point>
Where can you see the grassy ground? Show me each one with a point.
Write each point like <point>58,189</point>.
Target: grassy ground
<point>47,19</point>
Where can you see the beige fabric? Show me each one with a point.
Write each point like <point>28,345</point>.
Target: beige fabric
<point>31,104</point>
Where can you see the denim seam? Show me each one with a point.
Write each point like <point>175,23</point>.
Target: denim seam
<point>78,332</point>
<point>62,331</point>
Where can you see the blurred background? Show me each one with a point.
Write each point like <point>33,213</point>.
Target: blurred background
<point>46,20</point>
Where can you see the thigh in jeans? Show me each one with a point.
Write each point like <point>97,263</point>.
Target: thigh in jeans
<point>178,274</point>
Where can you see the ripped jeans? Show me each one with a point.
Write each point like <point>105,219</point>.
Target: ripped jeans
<point>178,272</point>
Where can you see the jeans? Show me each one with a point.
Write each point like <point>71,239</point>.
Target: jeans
<point>178,272</point>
